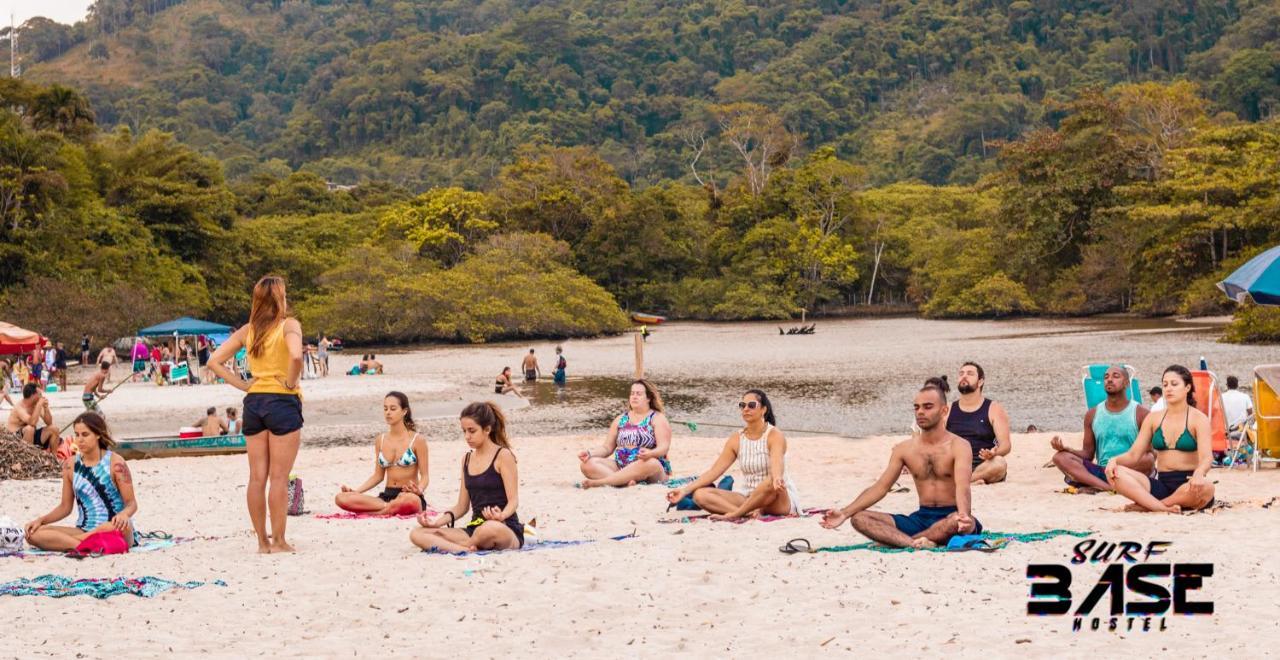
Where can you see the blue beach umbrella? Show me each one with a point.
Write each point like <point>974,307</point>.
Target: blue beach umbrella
<point>1258,280</point>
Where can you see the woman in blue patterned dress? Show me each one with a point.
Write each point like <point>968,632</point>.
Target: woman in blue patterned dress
<point>98,483</point>
<point>636,449</point>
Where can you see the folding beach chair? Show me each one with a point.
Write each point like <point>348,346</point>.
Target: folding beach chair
<point>1265,439</point>
<point>1091,380</point>
<point>180,372</point>
<point>1209,402</point>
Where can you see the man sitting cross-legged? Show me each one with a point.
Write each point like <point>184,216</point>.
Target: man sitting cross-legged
<point>940,462</point>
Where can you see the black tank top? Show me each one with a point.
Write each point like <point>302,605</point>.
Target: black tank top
<point>973,426</point>
<point>486,488</point>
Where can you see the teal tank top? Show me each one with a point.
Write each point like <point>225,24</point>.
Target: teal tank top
<point>1113,433</point>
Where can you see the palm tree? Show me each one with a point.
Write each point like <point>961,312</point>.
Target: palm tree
<point>62,109</point>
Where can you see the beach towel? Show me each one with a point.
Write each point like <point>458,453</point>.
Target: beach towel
<point>1215,507</point>
<point>807,513</point>
<point>147,544</point>
<point>529,547</point>
<point>58,586</point>
<point>348,515</point>
<point>987,541</point>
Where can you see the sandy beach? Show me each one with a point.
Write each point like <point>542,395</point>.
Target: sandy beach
<point>358,587</point>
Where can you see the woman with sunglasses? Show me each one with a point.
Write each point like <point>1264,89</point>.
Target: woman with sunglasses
<point>760,451</point>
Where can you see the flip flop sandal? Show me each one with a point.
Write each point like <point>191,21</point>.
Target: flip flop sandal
<point>797,546</point>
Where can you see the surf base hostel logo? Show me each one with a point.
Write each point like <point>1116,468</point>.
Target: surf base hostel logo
<point>1132,592</point>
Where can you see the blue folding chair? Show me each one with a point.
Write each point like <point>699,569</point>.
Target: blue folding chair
<point>1091,381</point>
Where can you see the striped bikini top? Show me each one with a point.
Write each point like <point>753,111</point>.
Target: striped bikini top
<point>636,436</point>
<point>97,497</point>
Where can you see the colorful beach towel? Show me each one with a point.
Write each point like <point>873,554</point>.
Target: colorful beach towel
<point>706,517</point>
<point>544,545</point>
<point>348,515</point>
<point>59,586</point>
<point>145,545</point>
<point>985,541</point>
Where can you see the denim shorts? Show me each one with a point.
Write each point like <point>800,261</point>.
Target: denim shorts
<point>277,413</point>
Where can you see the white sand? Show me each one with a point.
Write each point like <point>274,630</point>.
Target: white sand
<point>360,588</point>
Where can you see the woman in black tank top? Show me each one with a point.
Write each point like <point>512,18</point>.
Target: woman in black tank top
<point>490,493</point>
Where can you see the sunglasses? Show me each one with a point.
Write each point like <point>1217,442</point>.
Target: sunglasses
<point>748,404</point>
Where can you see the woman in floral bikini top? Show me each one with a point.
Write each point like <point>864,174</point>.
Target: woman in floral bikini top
<point>636,449</point>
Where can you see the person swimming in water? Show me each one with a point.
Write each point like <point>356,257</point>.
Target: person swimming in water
<point>405,470</point>
<point>1184,453</point>
<point>939,462</point>
<point>760,450</point>
<point>492,493</point>
<point>636,447</point>
<point>100,486</point>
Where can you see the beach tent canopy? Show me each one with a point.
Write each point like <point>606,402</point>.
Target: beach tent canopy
<point>185,326</point>
<point>15,340</point>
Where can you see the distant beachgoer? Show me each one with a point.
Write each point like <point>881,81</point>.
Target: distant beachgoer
<point>644,333</point>
<point>211,425</point>
<point>6,381</point>
<point>503,384</point>
<point>1236,405</point>
<point>93,388</point>
<point>141,356</point>
<point>26,417</point>
<point>561,364</point>
<point>1157,398</point>
<point>375,367</point>
<point>984,423</point>
<point>1183,455</point>
<point>100,486</point>
<point>233,424</point>
<point>60,366</point>
<point>84,350</point>
<point>491,493</point>
<point>202,356</point>
<point>322,354</point>
<point>939,461</point>
<point>760,450</point>
<point>399,457</point>
<point>1110,429</point>
<point>530,367</point>
<point>636,448</point>
<point>272,405</point>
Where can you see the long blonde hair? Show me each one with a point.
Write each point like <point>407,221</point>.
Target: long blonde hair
<point>267,311</point>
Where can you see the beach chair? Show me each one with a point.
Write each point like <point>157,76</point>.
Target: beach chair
<point>1091,381</point>
<point>1265,439</point>
<point>1209,402</point>
<point>180,373</point>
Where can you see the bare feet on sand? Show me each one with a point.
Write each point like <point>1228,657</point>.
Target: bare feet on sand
<point>281,547</point>
<point>923,544</point>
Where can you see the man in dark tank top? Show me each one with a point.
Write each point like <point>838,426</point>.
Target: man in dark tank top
<point>984,423</point>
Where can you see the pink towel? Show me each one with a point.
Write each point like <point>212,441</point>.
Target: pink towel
<point>347,515</point>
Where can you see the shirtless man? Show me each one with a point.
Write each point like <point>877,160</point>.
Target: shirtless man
<point>25,419</point>
<point>1109,431</point>
<point>984,423</point>
<point>93,388</point>
<point>939,461</point>
<point>530,367</point>
<point>211,424</point>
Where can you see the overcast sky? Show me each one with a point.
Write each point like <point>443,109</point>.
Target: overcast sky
<point>62,11</point>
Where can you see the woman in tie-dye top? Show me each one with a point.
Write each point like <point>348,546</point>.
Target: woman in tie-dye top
<point>636,449</point>
<point>98,483</point>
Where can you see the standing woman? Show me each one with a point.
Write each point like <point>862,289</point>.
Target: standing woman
<point>636,447</point>
<point>399,456</point>
<point>761,453</point>
<point>1183,442</point>
<point>491,493</point>
<point>98,483</point>
<point>272,405</point>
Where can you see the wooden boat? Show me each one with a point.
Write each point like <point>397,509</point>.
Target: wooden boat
<point>167,447</point>
<point>648,319</point>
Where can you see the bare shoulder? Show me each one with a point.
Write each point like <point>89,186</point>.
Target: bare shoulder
<point>776,435</point>
<point>292,325</point>
<point>997,408</point>
<point>506,459</point>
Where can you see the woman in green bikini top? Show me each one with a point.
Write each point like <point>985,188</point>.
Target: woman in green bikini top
<point>1180,481</point>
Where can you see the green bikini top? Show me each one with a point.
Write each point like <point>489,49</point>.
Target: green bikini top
<point>1185,442</point>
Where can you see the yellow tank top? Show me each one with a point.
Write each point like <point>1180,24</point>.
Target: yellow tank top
<point>271,369</point>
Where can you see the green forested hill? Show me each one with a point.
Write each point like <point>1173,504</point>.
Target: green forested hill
<point>432,93</point>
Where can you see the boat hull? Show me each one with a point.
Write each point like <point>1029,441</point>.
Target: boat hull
<point>650,319</point>
<point>135,448</point>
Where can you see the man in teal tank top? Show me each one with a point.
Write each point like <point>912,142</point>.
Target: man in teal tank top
<point>1109,431</point>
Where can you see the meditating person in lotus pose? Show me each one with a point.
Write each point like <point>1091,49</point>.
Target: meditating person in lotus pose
<point>1184,453</point>
<point>636,448</point>
<point>760,450</point>
<point>399,456</point>
<point>1109,431</point>
<point>940,462</point>
<point>490,492</point>
<point>98,483</point>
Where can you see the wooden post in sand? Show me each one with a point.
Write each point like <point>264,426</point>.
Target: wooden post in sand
<point>639,355</point>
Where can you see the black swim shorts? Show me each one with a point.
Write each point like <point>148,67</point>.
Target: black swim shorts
<point>277,413</point>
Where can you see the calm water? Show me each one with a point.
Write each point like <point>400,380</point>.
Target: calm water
<point>855,377</point>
